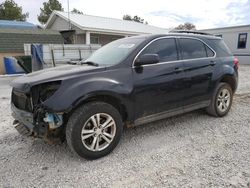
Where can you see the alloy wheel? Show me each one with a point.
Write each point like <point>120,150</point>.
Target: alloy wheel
<point>223,100</point>
<point>98,132</point>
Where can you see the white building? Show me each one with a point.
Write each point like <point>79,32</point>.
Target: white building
<point>236,39</point>
<point>87,29</point>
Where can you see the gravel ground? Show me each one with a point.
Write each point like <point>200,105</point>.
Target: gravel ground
<point>190,150</point>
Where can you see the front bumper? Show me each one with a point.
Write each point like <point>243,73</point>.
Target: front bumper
<point>49,128</point>
<point>22,117</point>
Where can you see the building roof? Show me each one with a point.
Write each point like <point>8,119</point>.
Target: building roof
<point>225,28</point>
<point>16,24</point>
<point>112,25</point>
<point>13,40</point>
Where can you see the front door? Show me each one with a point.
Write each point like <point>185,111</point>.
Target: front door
<point>158,87</point>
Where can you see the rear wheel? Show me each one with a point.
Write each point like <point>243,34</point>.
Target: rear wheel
<point>94,130</point>
<point>221,101</point>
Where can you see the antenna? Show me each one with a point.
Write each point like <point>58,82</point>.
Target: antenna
<point>69,16</point>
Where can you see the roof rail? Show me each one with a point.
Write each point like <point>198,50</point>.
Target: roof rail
<point>190,31</point>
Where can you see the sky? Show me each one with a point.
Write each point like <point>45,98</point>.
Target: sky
<point>162,13</point>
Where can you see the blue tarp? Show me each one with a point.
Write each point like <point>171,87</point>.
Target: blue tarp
<point>37,57</point>
<point>16,24</point>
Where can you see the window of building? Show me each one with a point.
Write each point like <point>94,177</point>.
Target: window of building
<point>165,48</point>
<point>242,40</point>
<point>94,40</point>
<point>192,49</point>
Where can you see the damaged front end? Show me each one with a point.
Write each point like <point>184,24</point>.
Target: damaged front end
<point>33,117</point>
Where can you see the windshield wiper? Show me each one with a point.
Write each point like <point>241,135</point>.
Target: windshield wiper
<point>90,63</point>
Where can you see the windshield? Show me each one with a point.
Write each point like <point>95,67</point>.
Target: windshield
<point>114,52</point>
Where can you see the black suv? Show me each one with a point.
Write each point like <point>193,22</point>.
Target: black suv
<point>127,82</point>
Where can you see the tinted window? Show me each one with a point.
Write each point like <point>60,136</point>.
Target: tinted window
<point>220,47</point>
<point>242,40</point>
<point>192,49</point>
<point>165,48</point>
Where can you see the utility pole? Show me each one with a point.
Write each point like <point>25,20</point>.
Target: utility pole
<point>69,16</point>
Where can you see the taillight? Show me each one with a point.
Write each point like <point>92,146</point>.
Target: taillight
<point>236,62</point>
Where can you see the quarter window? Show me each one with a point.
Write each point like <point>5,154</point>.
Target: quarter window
<point>242,40</point>
<point>192,49</point>
<point>165,48</point>
<point>210,53</point>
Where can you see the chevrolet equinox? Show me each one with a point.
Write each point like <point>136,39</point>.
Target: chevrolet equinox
<point>127,82</point>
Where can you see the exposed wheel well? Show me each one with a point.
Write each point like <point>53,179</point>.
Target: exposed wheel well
<point>231,81</point>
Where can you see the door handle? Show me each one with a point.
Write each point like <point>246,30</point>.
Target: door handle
<point>212,63</point>
<point>178,69</point>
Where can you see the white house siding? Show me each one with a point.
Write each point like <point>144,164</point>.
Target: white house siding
<point>230,36</point>
<point>59,24</point>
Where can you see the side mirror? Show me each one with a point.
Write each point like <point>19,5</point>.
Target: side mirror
<point>147,59</point>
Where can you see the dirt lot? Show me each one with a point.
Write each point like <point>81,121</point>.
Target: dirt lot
<point>191,150</point>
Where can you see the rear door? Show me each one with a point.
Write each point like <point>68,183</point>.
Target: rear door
<point>199,61</point>
<point>158,87</point>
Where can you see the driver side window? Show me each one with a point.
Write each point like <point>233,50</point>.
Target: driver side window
<point>165,48</point>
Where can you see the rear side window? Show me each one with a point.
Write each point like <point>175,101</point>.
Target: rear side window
<point>165,48</point>
<point>192,49</point>
<point>220,47</point>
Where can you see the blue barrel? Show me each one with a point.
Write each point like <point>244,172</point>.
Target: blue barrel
<point>11,66</point>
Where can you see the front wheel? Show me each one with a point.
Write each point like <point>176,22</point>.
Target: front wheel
<point>221,101</point>
<point>94,130</point>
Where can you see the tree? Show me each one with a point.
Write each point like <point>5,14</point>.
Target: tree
<point>76,11</point>
<point>135,18</point>
<point>138,19</point>
<point>9,10</point>
<point>127,17</point>
<point>186,26</point>
<point>47,9</point>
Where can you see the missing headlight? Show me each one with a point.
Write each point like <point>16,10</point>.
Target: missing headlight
<point>42,92</point>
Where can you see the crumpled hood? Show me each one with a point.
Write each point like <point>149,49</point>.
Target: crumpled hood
<point>24,83</point>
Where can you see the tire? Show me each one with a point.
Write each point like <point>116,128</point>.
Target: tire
<point>216,106</point>
<point>88,139</point>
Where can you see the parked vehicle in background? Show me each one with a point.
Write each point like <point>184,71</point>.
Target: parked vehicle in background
<point>128,82</point>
